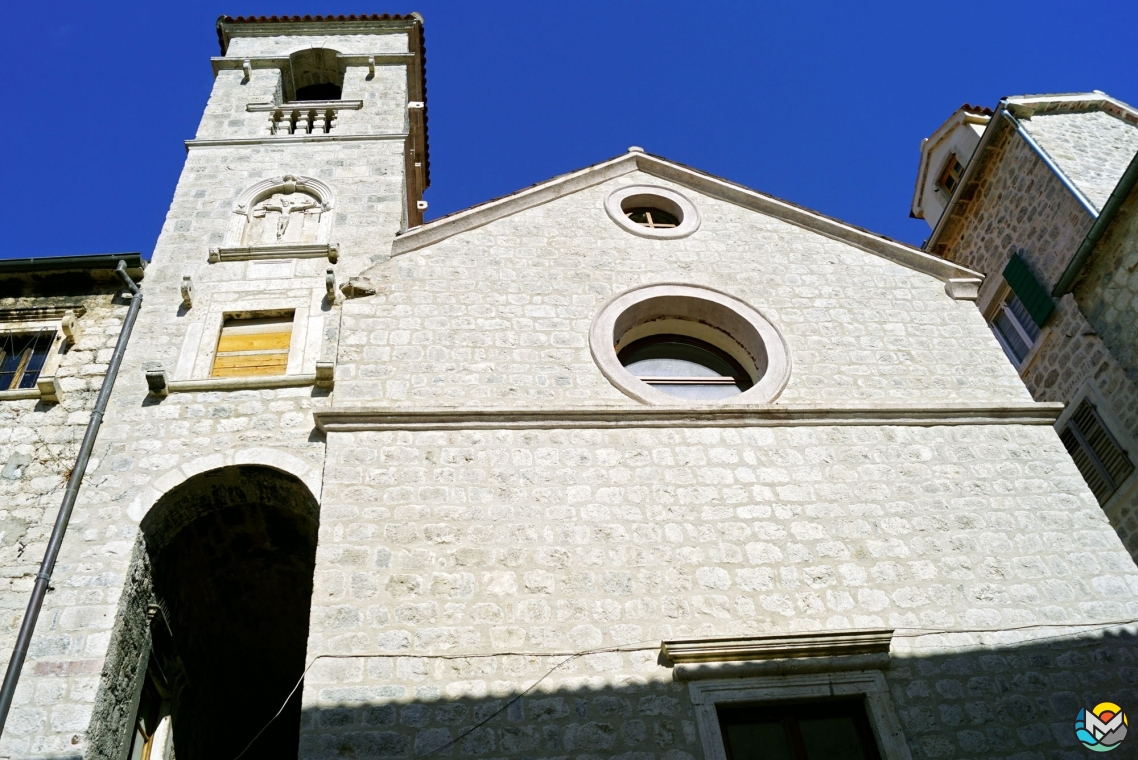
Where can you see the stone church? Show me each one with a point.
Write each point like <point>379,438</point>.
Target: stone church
<point>633,463</point>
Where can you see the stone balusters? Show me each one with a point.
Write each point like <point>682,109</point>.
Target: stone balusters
<point>302,121</point>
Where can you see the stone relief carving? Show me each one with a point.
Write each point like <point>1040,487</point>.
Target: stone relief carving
<point>284,211</point>
<point>284,218</point>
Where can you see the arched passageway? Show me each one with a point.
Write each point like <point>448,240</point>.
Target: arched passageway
<point>232,553</point>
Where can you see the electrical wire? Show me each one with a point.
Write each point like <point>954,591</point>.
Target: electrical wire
<point>644,646</point>
<point>569,657</point>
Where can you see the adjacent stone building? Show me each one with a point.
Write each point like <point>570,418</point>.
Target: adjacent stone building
<point>59,320</point>
<point>633,463</point>
<point>1034,195</point>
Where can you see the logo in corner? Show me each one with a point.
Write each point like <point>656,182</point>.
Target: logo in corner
<point>1102,728</point>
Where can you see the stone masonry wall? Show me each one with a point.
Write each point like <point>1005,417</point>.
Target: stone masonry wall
<point>148,445</point>
<point>1107,289</point>
<point>441,552</point>
<point>500,315</point>
<point>1019,205</point>
<point>457,570</point>
<point>39,442</point>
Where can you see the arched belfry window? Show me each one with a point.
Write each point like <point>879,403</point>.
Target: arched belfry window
<point>316,74</point>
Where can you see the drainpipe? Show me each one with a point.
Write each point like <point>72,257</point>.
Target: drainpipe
<point>43,577</point>
<point>1054,167</point>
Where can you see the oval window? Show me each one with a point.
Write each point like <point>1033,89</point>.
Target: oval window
<point>685,367</point>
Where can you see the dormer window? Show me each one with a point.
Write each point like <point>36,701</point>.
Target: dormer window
<point>950,176</point>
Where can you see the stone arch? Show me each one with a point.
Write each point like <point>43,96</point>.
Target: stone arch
<point>316,74</point>
<point>285,210</point>
<point>232,553</point>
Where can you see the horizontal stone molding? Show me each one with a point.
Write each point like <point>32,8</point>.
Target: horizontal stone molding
<point>305,105</point>
<point>812,644</point>
<point>159,385</point>
<point>40,313</point>
<point>351,419</point>
<point>47,389</point>
<point>783,666</point>
<point>292,139</point>
<point>259,252</point>
<point>237,63</point>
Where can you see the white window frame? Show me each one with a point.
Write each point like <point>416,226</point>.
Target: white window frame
<point>995,305</point>
<point>1114,425</point>
<point>63,324</point>
<point>707,696</point>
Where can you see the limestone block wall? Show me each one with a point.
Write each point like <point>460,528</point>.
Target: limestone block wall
<point>149,445</point>
<point>1108,288</point>
<point>457,569</point>
<point>500,315</point>
<point>39,442</point>
<point>1017,205</point>
<point>1092,148</point>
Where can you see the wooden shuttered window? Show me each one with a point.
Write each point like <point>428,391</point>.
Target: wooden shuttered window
<point>1103,463</point>
<point>1029,290</point>
<point>252,347</point>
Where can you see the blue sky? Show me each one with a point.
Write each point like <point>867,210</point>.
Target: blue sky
<point>823,104</point>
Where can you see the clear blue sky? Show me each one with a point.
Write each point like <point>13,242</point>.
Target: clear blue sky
<point>823,104</point>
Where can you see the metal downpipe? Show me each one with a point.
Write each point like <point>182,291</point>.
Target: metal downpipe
<point>35,604</point>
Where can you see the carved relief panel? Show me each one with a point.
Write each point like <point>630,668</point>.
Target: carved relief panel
<point>284,217</point>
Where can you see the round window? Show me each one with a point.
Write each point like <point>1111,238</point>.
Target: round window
<point>655,212</point>
<point>669,344</point>
<point>685,367</point>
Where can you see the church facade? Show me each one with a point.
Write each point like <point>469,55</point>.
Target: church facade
<point>636,462</point>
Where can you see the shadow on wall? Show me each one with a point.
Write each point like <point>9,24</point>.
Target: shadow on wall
<point>1017,701</point>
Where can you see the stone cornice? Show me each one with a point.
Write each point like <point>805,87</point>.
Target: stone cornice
<point>292,140</point>
<point>478,216</point>
<point>814,644</point>
<point>353,419</point>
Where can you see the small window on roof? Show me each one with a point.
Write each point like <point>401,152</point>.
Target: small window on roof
<point>950,175</point>
<point>253,347</point>
<point>22,356</point>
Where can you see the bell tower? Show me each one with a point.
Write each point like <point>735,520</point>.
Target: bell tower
<point>348,91</point>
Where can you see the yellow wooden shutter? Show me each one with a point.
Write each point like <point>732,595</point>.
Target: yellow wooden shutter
<point>253,347</point>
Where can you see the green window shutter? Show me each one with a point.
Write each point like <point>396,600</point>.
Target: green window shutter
<point>1028,290</point>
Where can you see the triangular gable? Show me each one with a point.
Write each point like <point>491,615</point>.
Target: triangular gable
<point>706,184</point>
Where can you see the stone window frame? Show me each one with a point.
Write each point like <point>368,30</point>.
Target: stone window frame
<point>988,307</point>
<point>946,171</point>
<point>667,199</point>
<point>723,306</point>
<point>1089,390</point>
<point>63,324</point>
<point>870,685</point>
<point>193,371</point>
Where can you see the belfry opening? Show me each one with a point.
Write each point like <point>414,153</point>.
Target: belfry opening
<point>232,553</point>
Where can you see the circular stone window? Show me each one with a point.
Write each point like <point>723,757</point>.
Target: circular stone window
<point>676,344</point>
<point>653,212</point>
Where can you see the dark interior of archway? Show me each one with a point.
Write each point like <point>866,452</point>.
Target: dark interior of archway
<point>235,577</point>
<point>324,91</point>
